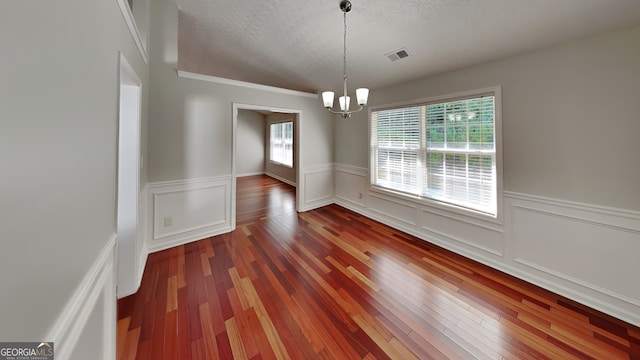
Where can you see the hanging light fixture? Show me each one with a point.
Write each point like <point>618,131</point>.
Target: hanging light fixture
<point>361,94</point>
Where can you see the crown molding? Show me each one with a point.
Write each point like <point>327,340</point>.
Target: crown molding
<point>249,85</point>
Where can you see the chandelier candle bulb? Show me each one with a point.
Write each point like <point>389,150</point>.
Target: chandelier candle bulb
<point>342,105</point>
<point>362,94</point>
<point>327,98</point>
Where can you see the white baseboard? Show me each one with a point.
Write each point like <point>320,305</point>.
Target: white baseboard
<point>316,204</point>
<point>552,243</point>
<point>91,306</point>
<point>585,252</point>
<point>280,178</point>
<point>177,241</point>
<point>251,174</point>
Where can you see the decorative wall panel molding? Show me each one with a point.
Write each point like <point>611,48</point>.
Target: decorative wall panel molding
<point>441,225</point>
<point>352,182</point>
<point>585,252</point>
<point>88,320</point>
<point>395,209</point>
<point>318,187</point>
<point>188,210</point>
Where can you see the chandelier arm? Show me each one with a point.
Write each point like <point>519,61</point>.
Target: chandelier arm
<point>345,113</point>
<point>334,112</point>
<point>360,107</point>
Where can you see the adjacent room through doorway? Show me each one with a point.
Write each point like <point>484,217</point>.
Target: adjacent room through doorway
<point>266,161</point>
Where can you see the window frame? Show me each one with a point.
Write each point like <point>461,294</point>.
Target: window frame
<point>495,91</point>
<point>270,142</point>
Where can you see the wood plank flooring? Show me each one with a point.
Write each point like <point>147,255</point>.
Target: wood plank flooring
<point>332,284</point>
<point>263,196</point>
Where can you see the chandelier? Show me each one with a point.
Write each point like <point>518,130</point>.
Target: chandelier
<point>361,93</point>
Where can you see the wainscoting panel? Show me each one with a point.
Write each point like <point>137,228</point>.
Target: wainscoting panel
<point>585,252</point>
<point>440,225</point>
<point>86,327</point>
<point>394,209</point>
<point>317,187</point>
<point>575,249</point>
<point>188,210</point>
<point>582,251</point>
<point>351,184</point>
<point>178,212</point>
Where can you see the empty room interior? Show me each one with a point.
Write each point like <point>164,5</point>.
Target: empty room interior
<point>332,179</point>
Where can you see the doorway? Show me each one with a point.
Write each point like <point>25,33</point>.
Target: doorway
<point>267,112</point>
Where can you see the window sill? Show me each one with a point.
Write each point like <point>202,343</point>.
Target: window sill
<point>464,213</point>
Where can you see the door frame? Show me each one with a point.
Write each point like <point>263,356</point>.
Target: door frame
<point>128,179</point>
<point>297,156</point>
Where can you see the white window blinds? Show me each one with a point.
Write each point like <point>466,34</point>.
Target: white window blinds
<point>281,143</point>
<point>443,151</point>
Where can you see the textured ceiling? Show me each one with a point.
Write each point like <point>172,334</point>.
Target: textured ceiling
<point>297,44</point>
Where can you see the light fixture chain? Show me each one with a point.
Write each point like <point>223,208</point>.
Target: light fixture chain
<point>344,58</point>
<point>361,93</point>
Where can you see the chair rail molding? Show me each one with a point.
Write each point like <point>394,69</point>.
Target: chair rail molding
<point>582,251</point>
<point>91,306</point>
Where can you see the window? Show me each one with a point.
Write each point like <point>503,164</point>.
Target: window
<point>281,143</point>
<point>442,150</point>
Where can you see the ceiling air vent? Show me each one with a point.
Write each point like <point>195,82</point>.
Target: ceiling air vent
<point>398,54</point>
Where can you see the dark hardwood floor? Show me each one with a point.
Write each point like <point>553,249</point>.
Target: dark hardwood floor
<point>332,284</point>
<point>260,197</point>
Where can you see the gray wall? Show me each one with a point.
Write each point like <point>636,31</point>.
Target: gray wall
<point>250,135</point>
<point>58,146</point>
<point>570,118</point>
<point>191,127</point>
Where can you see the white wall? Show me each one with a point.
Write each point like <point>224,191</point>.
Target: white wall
<point>571,219</point>
<point>190,135</point>
<point>250,137</point>
<point>58,146</point>
<point>191,143</point>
